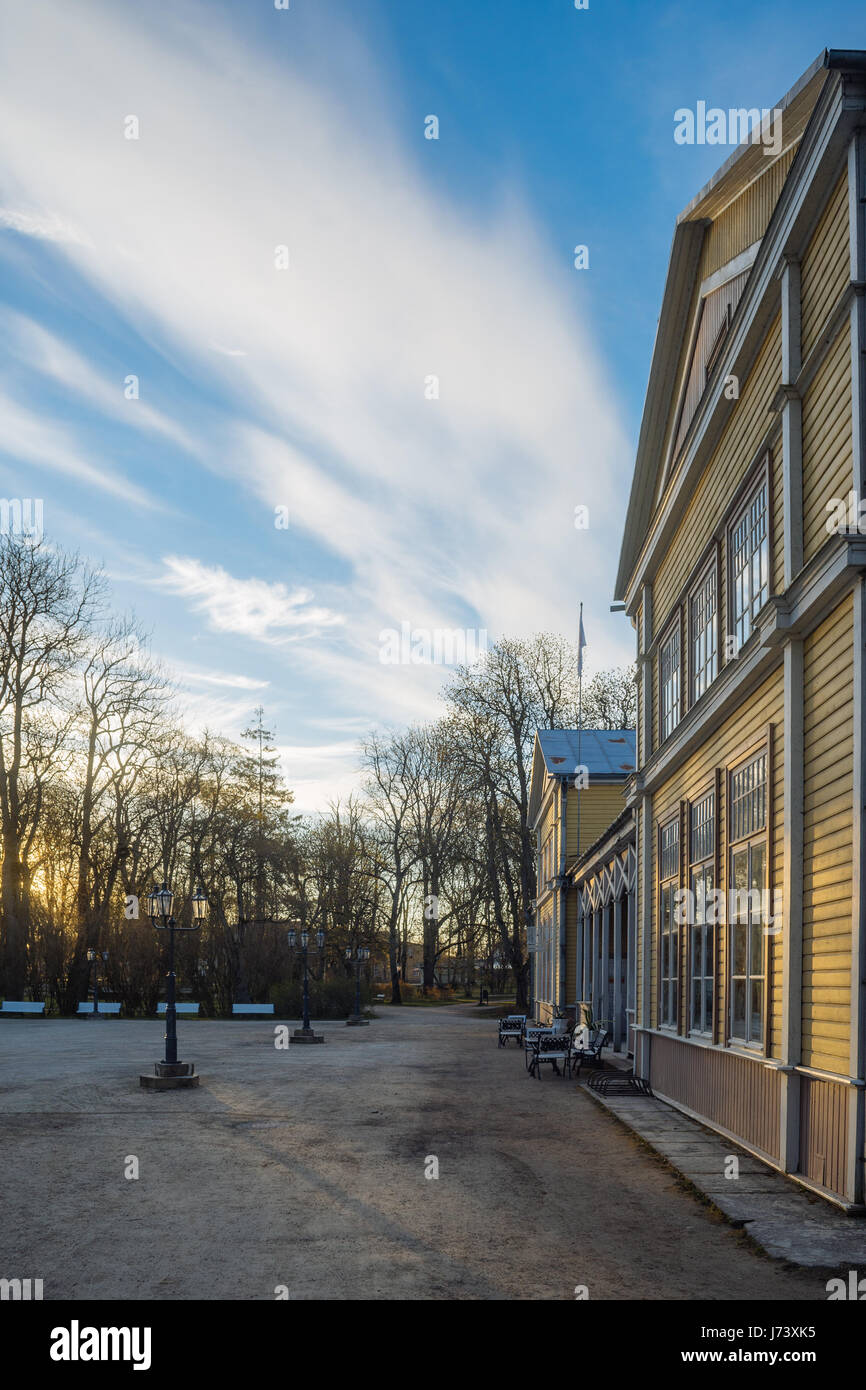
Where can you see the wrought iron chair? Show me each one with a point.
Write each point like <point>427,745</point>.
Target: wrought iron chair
<point>531,1033</point>
<point>591,1050</point>
<point>553,1048</point>
<point>511,1027</point>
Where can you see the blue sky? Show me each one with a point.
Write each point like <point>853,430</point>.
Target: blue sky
<point>306,387</point>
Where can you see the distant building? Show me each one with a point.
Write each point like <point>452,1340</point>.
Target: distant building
<point>604,880</point>
<point>576,791</point>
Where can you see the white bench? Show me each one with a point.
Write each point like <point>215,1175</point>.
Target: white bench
<point>252,1009</point>
<point>179,1008</point>
<point>87,1008</point>
<point>21,1006</point>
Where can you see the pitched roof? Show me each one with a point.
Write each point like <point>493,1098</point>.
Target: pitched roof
<point>726,185</point>
<point>603,752</point>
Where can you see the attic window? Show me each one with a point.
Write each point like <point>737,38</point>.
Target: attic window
<point>716,349</point>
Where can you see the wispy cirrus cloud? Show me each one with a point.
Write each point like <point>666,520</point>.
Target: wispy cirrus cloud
<point>44,352</point>
<point>233,682</point>
<point>45,226</point>
<point>445,508</point>
<point>28,437</point>
<point>247,607</point>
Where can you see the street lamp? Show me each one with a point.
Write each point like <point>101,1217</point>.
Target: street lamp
<point>358,957</point>
<point>94,957</point>
<point>170,1073</point>
<point>305,1034</point>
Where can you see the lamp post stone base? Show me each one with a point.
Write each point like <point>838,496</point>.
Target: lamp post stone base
<point>356,1021</point>
<point>306,1035</point>
<point>170,1076</point>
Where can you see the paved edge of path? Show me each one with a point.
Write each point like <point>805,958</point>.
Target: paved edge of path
<point>783,1218</point>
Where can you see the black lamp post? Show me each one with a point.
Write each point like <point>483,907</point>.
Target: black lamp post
<point>95,957</point>
<point>170,1073</point>
<point>305,1034</point>
<point>359,956</point>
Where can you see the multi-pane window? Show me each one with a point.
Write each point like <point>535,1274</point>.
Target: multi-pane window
<point>669,957</point>
<point>669,682</point>
<point>545,864</point>
<point>702,633</point>
<point>747,898</point>
<point>750,564</point>
<point>702,843</point>
<point>749,798</point>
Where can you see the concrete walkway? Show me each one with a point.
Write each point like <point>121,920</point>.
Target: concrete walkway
<point>305,1171</point>
<point>786,1220</point>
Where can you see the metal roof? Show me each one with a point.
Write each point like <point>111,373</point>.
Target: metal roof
<point>604,752</point>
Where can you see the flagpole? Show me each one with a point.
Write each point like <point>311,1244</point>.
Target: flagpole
<point>579,717</point>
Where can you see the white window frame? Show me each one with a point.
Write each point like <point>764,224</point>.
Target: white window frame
<point>749,591</point>
<point>668,931</point>
<point>702,934</point>
<point>703,642</point>
<point>748,832</point>
<point>670,714</point>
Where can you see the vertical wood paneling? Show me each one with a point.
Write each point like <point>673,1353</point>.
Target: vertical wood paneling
<point>746,219</point>
<point>824,1133</point>
<point>732,1091</point>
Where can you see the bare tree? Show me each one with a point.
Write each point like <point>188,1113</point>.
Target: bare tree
<point>389,789</point>
<point>610,700</point>
<point>48,601</point>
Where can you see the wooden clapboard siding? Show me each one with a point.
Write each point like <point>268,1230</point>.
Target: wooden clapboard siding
<point>745,220</point>
<point>736,452</point>
<point>828,757</point>
<point>827,441</point>
<point>825,268</point>
<point>691,781</point>
<point>599,805</point>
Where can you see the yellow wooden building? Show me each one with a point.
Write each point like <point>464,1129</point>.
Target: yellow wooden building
<point>576,791</point>
<point>743,567</point>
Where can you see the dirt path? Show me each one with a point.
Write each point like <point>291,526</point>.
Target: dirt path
<point>305,1168</point>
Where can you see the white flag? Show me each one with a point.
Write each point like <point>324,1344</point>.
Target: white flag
<point>581,644</point>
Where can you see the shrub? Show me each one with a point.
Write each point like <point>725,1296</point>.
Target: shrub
<point>328,998</point>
